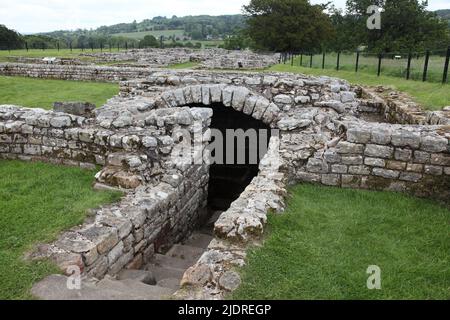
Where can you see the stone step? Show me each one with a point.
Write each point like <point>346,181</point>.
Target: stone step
<point>166,261</point>
<point>161,273</point>
<point>138,275</point>
<point>172,283</point>
<point>199,240</point>
<point>184,252</point>
<point>136,288</point>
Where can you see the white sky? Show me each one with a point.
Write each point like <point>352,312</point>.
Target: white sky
<point>30,16</point>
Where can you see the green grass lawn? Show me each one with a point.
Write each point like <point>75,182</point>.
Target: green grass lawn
<point>186,65</point>
<point>432,96</point>
<point>31,92</point>
<point>369,64</point>
<point>63,53</point>
<point>328,237</point>
<point>37,201</point>
<point>157,34</point>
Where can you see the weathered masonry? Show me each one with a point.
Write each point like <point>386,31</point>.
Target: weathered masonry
<point>324,137</point>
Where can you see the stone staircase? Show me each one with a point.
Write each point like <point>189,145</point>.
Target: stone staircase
<point>158,280</point>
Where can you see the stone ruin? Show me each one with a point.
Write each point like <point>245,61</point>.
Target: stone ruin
<point>327,135</point>
<point>213,58</point>
<point>208,58</point>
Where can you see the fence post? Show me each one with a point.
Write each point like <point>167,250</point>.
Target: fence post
<point>301,60</point>
<point>26,45</point>
<point>338,63</point>
<point>323,60</point>
<point>408,68</point>
<point>292,59</point>
<point>380,58</point>
<point>447,61</point>
<point>357,61</point>
<point>311,60</point>
<point>425,66</point>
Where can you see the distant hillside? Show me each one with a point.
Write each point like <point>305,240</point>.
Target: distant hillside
<point>195,27</point>
<point>444,14</point>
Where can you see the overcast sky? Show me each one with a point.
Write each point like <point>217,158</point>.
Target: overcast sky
<point>29,16</point>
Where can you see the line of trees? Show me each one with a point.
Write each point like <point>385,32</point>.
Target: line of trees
<point>11,40</point>
<point>297,25</point>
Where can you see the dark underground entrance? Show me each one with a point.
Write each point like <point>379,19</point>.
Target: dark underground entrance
<point>230,176</point>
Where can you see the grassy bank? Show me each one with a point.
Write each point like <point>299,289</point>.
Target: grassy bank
<point>37,201</point>
<point>322,246</point>
<point>30,92</point>
<point>432,96</point>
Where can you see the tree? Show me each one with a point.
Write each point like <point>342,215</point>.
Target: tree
<point>287,25</point>
<point>238,41</point>
<point>406,25</point>
<point>149,41</point>
<point>9,39</point>
<point>345,36</point>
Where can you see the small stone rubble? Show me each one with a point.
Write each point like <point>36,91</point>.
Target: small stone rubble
<point>323,138</point>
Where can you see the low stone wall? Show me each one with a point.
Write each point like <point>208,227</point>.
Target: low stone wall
<point>126,235</point>
<point>164,198</point>
<point>73,72</point>
<point>238,228</point>
<point>397,107</point>
<point>385,157</point>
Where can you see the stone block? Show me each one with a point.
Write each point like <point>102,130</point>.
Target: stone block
<point>331,179</point>
<point>84,109</point>
<point>384,173</point>
<point>377,151</point>
<point>375,162</point>
<point>434,170</point>
<point>344,147</point>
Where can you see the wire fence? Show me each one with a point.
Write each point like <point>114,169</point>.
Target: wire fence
<point>430,65</point>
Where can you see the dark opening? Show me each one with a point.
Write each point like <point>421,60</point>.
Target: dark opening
<point>228,181</point>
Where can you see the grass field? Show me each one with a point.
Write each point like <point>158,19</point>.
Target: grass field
<point>63,53</point>
<point>369,64</point>
<point>37,201</point>
<point>157,34</point>
<point>432,96</point>
<point>186,65</point>
<point>328,237</point>
<point>30,92</point>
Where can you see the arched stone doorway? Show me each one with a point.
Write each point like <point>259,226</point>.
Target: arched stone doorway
<point>235,158</point>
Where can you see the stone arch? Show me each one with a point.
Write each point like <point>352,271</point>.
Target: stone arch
<point>240,98</point>
<point>243,105</point>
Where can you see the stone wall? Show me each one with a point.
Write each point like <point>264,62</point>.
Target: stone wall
<point>318,118</point>
<point>385,157</point>
<point>73,72</point>
<point>164,199</point>
<point>397,107</point>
